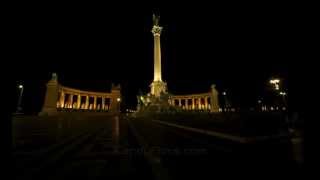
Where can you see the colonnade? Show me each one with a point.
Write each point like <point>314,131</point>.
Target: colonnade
<point>69,98</point>
<point>82,101</point>
<point>192,102</point>
<point>59,97</point>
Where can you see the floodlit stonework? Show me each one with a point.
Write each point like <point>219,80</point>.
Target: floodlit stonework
<point>201,101</point>
<point>160,99</point>
<point>60,98</point>
<point>157,86</point>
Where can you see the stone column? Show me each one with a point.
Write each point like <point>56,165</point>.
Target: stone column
<point>109,103</point>
<point>79,102</point>
<point>70,100</point>
<point>192,103</point>
<point>186,103</point>
<point>199,103</point>
<point>87,102</point>
<point>206,103</point>
<point>180,103</point>
<point>62,96</point>
<point>94,102</point>
<point>103,103</point>
<point>156,31</point>
<point>65,101</point>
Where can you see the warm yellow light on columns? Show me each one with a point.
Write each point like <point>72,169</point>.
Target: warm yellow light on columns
<point>192,103</point>
<point>103,103</point>
<point>206,103</point>
<point>70,100</point>
<point>214,104</point>
<point>87,102</point>
<point>186,103</point>
<point>79,101</point>
<point>62,97</point>
<point>94,102</point>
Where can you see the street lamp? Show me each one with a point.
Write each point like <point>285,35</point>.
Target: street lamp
<point>226,103</point>
<point>283,94</point>
<point>118,104</point>
<point>19,108</point>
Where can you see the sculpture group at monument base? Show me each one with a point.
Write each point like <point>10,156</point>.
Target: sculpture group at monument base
<point>201,102</point>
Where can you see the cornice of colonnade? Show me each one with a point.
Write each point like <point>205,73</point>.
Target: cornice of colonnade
<point>191,95</point>
<point>70,90</point>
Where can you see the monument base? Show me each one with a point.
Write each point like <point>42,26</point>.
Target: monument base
<point>153,104</point>
<point>158,88</point>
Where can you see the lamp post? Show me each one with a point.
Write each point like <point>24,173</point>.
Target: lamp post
<point>260,105</point>
<point>118,104</point>
<point>284,94</point>
<point>224,93</point>
<point>19,108</point>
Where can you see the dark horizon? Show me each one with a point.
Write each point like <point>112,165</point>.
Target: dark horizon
<point>239,50</point>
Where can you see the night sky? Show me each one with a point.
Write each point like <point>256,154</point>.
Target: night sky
<point>237,48</point>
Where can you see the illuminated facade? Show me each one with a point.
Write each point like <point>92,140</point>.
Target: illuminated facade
<point>201,101</point>
<point>159,96</point>
<point>61,98</point>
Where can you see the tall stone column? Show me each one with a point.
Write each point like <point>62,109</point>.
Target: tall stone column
<point>180,103</point>
<point>156,31</point>
<point>157,86</point>
<point>199,103</point>
<point>79,101</point>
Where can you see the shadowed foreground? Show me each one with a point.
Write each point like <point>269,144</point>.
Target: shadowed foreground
<point>105,146</point>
